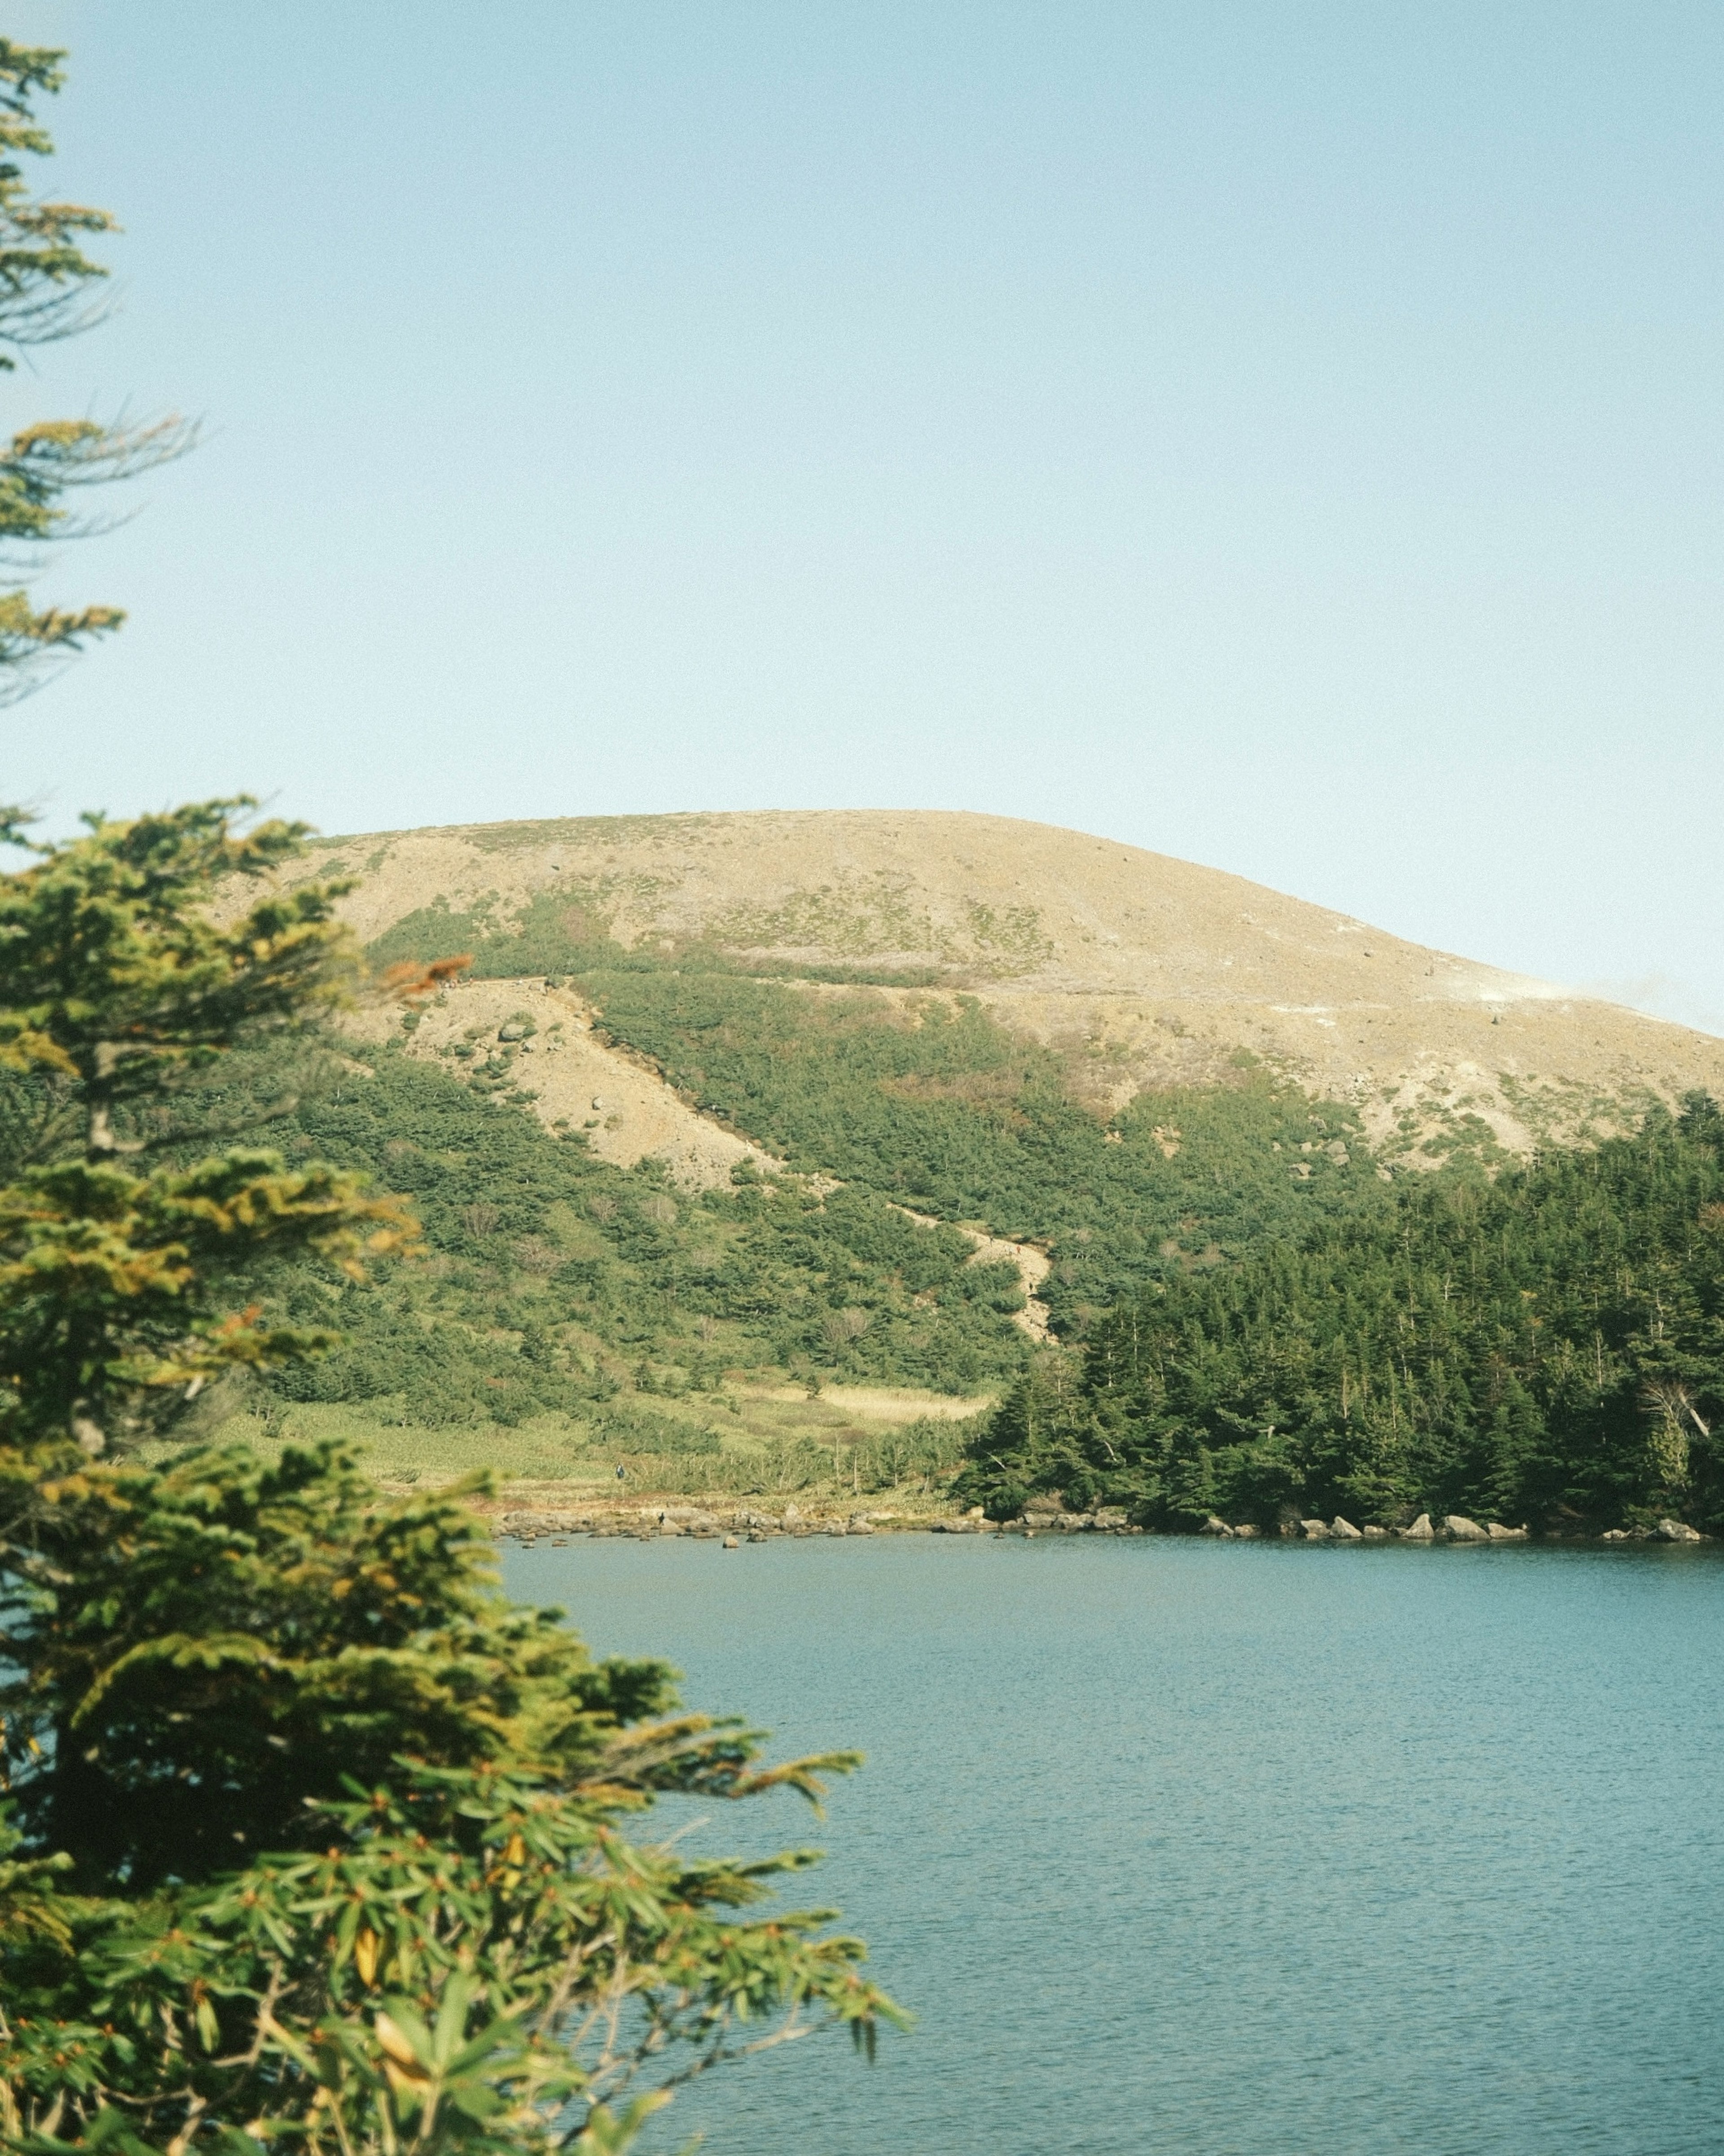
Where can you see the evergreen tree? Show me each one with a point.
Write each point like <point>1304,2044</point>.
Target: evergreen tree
<point>309,1833</point>
<point>1549,1348</point>
<point>121,1280</point>
<point>46,281</point>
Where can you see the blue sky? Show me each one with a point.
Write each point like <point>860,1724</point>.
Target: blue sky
<point>1287,437</point>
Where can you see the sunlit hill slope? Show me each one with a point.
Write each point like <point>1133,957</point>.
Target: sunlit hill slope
<point>752,1142</point>
<point>1139,971</point>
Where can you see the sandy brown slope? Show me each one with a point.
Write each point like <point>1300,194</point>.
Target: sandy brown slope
<point>1143,969</point>
<point>574,1081</point>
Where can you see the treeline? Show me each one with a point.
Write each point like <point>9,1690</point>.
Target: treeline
<point>1547,1349</point>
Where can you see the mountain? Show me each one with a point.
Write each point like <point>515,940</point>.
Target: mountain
<point>758,1150</point>
<point>1138,972</point>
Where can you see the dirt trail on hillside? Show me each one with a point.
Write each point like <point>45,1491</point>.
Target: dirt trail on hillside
<point>1032,1266</point>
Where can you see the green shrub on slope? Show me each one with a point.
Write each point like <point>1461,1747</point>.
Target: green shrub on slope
<point>556,1281</point>
<point>938,1104</point>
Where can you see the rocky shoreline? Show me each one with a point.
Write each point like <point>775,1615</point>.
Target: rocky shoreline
<point>745,1523</point>
<point>1452,1527</point>
<point>1041,1516</point>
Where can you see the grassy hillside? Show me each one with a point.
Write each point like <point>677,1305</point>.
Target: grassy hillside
<point>606,1314</point>
<point>930,1101</point>
<point>1161,971</point>
<point>928,1098</point>
<point>609,1316</point>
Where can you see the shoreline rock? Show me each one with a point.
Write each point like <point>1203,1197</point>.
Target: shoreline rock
<point>531,1525</point>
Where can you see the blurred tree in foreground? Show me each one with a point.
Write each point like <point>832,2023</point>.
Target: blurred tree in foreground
<point>309,1835</point>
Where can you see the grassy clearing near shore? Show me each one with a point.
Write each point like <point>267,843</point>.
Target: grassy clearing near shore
<point>749,1440</point>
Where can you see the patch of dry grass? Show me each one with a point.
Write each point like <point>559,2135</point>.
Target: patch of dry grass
<point>772,1440</point>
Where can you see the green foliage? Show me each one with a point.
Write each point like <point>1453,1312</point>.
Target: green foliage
<point>890,1456</point>
<point>311,1835</point>
<point>569,933</point>
<point>1549,1348</point>
<point>124,1287</point>
<point>118,978</point>
<point>555,932</point>
<point>44,279</point>
<point>119,1293</point>
<point>450,1945</point>
<point>559,1284</point>
<point>256,1632</point>
<point>932,1103</point>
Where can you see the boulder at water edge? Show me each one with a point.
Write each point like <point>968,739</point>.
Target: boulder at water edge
<point>1315,1531</point>
<point>1421,1530</point>
<point>1344,1531</point>
<point>1460,1529</point>
<point>1675,1531</point>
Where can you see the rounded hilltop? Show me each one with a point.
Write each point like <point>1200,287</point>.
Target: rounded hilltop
<point>1144,970</point>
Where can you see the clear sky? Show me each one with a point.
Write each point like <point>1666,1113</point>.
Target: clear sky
<point>1287,436</point>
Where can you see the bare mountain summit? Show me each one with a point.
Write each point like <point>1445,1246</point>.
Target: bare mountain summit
<point>1143,971</point>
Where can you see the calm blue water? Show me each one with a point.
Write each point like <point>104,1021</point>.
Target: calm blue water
<point>1179,1846</point>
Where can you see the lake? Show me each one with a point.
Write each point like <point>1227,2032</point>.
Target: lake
<point>1178,1846</point>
